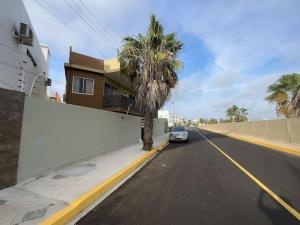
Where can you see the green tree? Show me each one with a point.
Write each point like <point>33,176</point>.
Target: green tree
<point>202,120</point>
<point>222,120</point>
<point>237,114</point>
<point>150,61</point>
<point>212,121</point>
<point>232,112</point>
<point>285,93</point>
<point>242,117</point>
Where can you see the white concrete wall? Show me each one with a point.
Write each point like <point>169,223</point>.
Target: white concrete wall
<point>55,135</point>
<point>12,13</point>
<point>160,126</point>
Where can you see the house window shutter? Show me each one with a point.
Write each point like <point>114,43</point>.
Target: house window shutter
<point>76,84</point>
<point>89,86</point>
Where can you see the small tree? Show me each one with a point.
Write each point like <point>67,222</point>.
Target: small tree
<point>212,121</point>
<point>237,114</point>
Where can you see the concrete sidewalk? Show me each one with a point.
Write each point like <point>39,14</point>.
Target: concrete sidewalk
<point>31,201</point>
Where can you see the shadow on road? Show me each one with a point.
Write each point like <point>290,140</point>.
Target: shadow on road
<point>276,213</point>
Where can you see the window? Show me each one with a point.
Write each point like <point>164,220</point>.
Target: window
<point>83,86</point>
<point>23,28</point>
<point>110,90</point>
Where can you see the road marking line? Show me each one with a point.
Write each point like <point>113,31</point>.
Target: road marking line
<point>257,181</point>
<point>271,146</point>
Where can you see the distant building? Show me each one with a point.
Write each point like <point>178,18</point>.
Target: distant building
<point>23,64</point>
<point>98,83</point>
<point>174,119</point>
<point>54,97</point>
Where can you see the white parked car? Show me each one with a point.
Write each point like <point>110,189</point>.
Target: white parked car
<point>178,134</point>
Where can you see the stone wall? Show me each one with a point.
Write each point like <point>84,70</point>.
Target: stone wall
<point>11,112</point>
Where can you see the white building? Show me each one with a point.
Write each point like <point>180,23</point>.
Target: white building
<point>23,63</point>
<point>173,118</point>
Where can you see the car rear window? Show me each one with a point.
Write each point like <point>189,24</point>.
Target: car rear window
<point>178,129</point>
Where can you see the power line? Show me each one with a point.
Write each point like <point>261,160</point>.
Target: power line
<point>82,15</point>
<point>103,37</point>
<point>86,40</point>
<point>98,22</point>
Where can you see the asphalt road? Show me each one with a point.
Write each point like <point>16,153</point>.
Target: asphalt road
<point>193,183</point>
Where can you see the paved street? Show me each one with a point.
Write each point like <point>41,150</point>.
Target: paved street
<point>193,183</point>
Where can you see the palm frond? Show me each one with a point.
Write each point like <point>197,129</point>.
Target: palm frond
<point>150,62</point>
<point>283,93</point>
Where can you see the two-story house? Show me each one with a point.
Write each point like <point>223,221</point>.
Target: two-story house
<point>98,83</point>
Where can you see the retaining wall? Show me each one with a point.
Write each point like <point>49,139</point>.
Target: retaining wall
<point>282,130</point>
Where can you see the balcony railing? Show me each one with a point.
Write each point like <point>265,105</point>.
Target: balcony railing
<point>120,103</point>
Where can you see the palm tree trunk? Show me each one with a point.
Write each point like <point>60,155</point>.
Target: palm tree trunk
<point>296,104</point>
<point>148,130</point>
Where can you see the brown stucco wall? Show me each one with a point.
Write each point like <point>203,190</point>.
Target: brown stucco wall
<point>95,100</point>
<point>11,113</point>
<point>83,60</point>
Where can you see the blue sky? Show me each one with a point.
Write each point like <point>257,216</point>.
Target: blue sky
<point>233,49</point>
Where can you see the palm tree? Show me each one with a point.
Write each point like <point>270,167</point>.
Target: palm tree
<point>236,114</point>
<point>286,94</point>
<point>232,112</point>
<point>243,115</point>
<point>150,63</point>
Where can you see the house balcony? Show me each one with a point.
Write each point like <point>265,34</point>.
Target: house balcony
<point>120,103</point>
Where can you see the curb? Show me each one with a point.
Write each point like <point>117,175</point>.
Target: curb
<point>261,143</point>
<point>66,214</point>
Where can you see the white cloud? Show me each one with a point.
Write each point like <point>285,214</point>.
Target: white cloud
<point>243,36</point>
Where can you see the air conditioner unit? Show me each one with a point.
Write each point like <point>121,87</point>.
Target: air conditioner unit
<point>48,82</point>
<point>24,35</point>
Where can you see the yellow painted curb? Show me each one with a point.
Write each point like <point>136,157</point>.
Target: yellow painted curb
<point>68,213</point>
<point>293,211</point>
<point>258,142</point>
